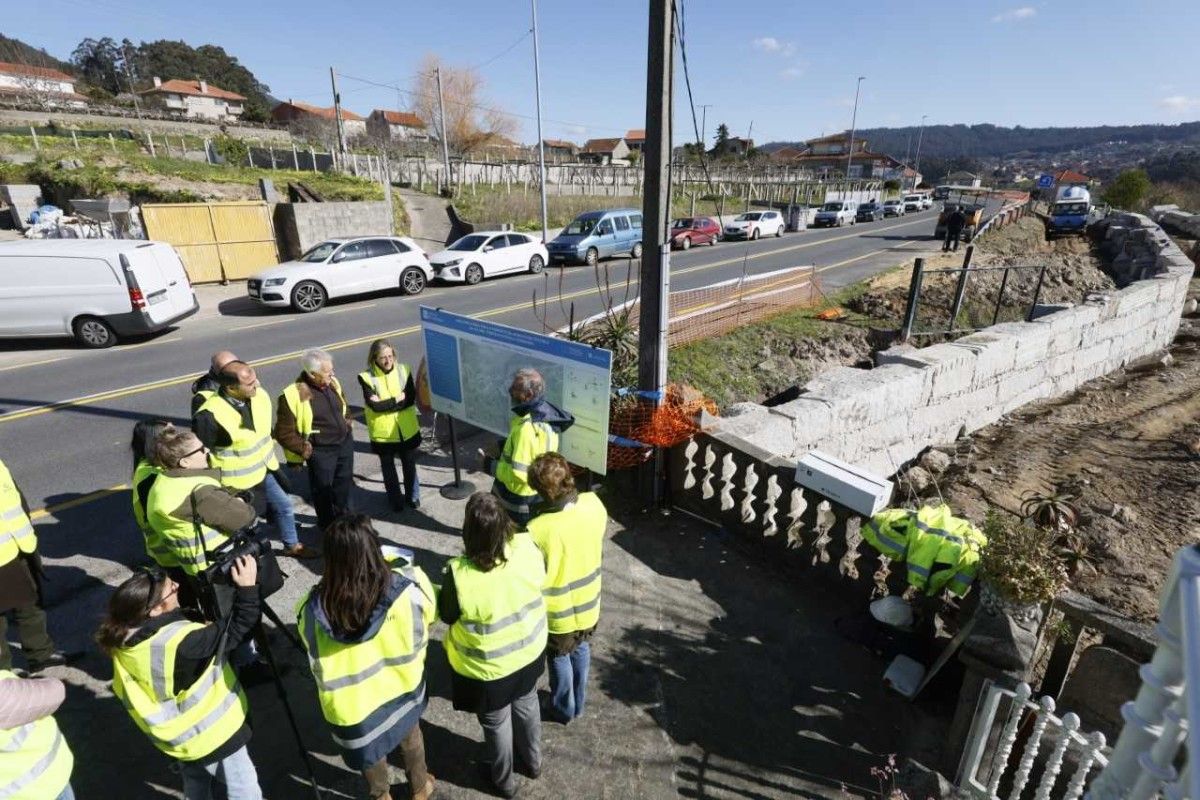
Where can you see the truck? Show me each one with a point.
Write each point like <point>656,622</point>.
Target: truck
<point>972,204</point>
<point>1070,213</point>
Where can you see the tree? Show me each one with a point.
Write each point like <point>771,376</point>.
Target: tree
<point>168,59</point>
<point>1128,189</point>
<point>470,121</point>
<point>100,63</point>
<point>721,138</point>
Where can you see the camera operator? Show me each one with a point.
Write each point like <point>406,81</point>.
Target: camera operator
<point>172,675</point>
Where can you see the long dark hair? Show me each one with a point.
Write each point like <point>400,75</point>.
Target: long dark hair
<point>356,574</point>
<point>145,431</point>
<point>128,608</point>
<point>487,528</point>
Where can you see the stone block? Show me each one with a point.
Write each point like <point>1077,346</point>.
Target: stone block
<point>1102,680</point>
<point>994,352</point>
<point>1042,310</point>
<point>861,397</point>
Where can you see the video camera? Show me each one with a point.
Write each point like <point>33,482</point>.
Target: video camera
<point>217,578</point>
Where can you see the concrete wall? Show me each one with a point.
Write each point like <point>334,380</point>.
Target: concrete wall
<point>1174,218</point>
<point>884,417</point>
<point>299,226</point>
<point>17,118</point>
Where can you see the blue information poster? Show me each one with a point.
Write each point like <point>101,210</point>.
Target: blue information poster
<point>471,363</point>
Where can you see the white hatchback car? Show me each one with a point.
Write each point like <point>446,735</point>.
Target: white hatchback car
<point>341,267</point>
<point>486,253</point>
<point>754,224</point>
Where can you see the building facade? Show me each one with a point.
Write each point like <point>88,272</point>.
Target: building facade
<point>294,111</point>
<point>41,85</point>
<point>397,126</point>
<point>194,99</point>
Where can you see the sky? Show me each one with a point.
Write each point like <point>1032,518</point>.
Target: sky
<point>788,69</point>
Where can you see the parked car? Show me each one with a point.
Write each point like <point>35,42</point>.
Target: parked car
<point>483,254</point>
<point>755,224</point>
<point>688,231</point>
<point>893,208</point>
<point>594,235</point>
<point>869,212</point>
<point>340,268</point>
<point>836,214</point>
<point>98,290</point>
<point>926,201</point>
<point>912,202</point>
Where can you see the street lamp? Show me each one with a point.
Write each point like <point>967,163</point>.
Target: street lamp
<point>853,123</point>
<point>917,162</point>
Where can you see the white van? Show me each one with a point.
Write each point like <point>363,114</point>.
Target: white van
<point>97,290</point>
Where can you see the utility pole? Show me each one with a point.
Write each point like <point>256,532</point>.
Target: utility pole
<point>656,208</point>
<point>537,82</point>
<point>704,124</point>
<point>445,133</point>
<point>853,124</point>
<point>132,89</point>
<point>917,165</point>
<point>337,114</point>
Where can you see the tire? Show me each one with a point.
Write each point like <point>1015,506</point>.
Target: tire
<point>412,281</point>
<point>93,333</point>
<point>713,241</point>
<point>536,265</point>
<point>592,257</point>
<point>685,243</point>
<point>473,274</point>
<point>779,232</point>
<point>753,234</point>
<point>636,252</point>
<point>309,296</point>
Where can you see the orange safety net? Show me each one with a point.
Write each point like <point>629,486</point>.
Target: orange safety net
<point>639,425</point>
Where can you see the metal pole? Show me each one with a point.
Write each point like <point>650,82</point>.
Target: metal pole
<point>703,124</point>
<point>537,82</point>
<point>853,124</point>
<point>460,488</point>
<point>445,133</point>
<point>961,288</point>
<point>914,296</point>
<point>1000,297</point>
<point>337,112</point>
<point>1037,294</point>
<point>920,136</point>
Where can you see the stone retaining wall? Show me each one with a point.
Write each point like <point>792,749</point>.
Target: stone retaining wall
<point>299,226</point>
<point>883,418</point>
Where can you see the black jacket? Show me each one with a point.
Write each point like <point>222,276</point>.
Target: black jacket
<point>392,404</point>
<point>205,383</point>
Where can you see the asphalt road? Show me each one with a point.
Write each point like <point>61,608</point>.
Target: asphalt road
<point>65,414</point>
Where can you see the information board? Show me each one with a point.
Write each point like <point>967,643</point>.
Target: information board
<point>471,364</point>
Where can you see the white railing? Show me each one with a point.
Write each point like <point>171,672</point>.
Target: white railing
<point>985,766</point>
<point>1156,721</point>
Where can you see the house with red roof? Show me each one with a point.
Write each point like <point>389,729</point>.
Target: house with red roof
<point>196,99</point>
<point>294,111</point>
<point>397,126</point>
<point>39,84</point>
<point>635,138</point>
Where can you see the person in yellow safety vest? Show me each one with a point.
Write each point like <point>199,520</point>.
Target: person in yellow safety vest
<point>35,760</point>
<point>235,425</point>
<point>172,675</point>
<point>534,430</point>
<point>365,626</point>
<point>207,384</point>
<point>569,530</point>
<point>145,472</point>
<point>942,551</point>
<point>491,598</point>
<point>20,583</point>
<point>313,426</point>
<point>390,407</point>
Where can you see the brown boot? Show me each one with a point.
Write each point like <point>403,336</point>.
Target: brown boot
<point>426,791</point>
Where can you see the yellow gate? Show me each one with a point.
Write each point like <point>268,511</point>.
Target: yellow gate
<point>217,241</point>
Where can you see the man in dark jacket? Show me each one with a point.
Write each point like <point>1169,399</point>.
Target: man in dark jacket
<point>954,228</point>
<point>208,384</point>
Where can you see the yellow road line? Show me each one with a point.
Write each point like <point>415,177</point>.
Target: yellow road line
<point>99,494</point>
<point>32,363</point>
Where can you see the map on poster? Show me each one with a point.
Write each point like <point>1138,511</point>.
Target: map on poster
<point>471,363</point>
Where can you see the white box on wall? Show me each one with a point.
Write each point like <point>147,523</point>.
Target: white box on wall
<point>844,483</point>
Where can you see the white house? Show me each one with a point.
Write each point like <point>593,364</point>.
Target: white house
<point>402,126</point>
<point>39,84</point>
<point>195,99</point>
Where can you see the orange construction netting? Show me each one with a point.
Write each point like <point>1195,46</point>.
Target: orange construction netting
<point>639,426</point>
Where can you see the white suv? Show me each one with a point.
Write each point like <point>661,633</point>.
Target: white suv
<point>754,224</point>
<point>836,213</point>
<point>913,202</point>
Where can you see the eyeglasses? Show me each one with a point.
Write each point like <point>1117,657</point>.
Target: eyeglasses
<point>157,576</point>
<point>200,449</point>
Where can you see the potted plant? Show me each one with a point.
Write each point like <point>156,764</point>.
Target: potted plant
<point>1021,567</point>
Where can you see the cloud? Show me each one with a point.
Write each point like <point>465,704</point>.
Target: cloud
<point>1015,14</point>
<point>1180,104</point>
<point>791,72</point>
<point>769,44</point>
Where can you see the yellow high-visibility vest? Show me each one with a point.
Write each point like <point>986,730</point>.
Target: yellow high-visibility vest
<point>245,461</point>
<point>16,531</point>
<point>572,541</point>
<point>302,411</point>
<point>390,426</point>
<point>367,688</point>
<point>35,760</point>
<point>186,724</point>
<point>526,441</point>
<point>184,542</point>
<point>503,623</point>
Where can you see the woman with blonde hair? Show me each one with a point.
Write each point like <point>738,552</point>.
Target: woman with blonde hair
<point>390,407</point>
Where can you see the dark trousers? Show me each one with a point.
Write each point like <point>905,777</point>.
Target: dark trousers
<point>31,630</point>
<point>952,238</point>
<point>388,453</point>
<point>412,753</point>
<point>330,478</point>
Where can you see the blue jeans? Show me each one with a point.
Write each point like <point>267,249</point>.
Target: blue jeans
<point>67,793</point>
<point>235,771</point>
<point>568,682</point>
<point>279,510</point>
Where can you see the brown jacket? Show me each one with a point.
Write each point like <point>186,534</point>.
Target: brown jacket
<point>213,505</point>
<point>334,426</point>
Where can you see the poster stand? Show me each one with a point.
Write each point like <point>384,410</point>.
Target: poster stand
<point>459,489</point>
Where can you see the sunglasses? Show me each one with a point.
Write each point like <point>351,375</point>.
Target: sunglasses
<point>157,578</point>
<point>199,449</point>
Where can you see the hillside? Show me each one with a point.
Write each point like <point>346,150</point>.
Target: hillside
<point>994,141</point>
<point>17,52</point>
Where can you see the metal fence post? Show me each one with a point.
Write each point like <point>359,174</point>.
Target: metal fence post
<point>1037,293</point>
<point>1000,296</point>
<point>914,296</point>
<point>961,288</point>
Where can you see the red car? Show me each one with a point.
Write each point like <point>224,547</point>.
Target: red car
<point>688,231</point>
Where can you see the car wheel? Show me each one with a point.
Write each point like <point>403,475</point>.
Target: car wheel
<point>779,232</point>
<point>592,257</point>
<point>308,296</point>
<point>636,252</point>
<point>685,243</point>
<point>473,274</point>
<point>536,264</point>
<point>753,234</point>
<point>412,281</point>
<point>94,333</point>
<point>712,242</point>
